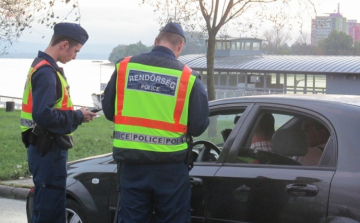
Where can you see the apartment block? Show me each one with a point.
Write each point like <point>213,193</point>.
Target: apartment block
<point>322,26</point>
<point>354,30</point>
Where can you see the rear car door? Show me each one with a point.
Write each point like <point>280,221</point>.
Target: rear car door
<point>271,186</point>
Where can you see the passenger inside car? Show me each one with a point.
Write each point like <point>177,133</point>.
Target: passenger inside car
<point>261,139</point>
<point>317,136</point>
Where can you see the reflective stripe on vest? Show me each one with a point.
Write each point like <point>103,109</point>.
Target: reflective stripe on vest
<point>64,103</point>
<point>27,97</point>
<point>27,123</point>
<point>149,139</point>
<point>143,88</point>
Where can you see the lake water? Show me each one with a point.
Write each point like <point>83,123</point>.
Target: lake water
<point>83,76</point>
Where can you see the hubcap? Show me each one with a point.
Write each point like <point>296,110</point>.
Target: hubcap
<point>72,216</point>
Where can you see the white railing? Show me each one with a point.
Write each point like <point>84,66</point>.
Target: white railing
<point>4,99</point>
<point>18,102</point>
<point>225,93</point>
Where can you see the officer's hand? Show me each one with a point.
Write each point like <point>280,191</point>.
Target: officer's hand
<point>88,115</point>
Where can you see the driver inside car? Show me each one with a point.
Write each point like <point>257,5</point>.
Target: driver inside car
<point>261,139</point>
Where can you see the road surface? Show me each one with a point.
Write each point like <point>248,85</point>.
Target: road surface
<point>12,211</point>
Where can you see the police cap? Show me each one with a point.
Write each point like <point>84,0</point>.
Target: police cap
<point>173,27</point>
<point>71,30</point>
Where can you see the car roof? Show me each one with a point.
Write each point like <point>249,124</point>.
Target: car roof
<point>293,98</point>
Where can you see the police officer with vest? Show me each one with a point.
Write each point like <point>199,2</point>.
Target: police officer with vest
<point>48,120</point>
<point>155,102</point>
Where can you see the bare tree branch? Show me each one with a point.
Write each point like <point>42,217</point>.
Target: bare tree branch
<point>16,16</point>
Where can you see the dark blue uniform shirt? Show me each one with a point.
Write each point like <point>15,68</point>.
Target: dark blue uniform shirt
<point>44,90</point>
<point>198,116</point>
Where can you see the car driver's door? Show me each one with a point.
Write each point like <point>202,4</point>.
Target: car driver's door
<point>271,187</point>
<point>209,152</point>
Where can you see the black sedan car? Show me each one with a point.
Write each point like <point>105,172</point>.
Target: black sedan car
<point>233,181</point>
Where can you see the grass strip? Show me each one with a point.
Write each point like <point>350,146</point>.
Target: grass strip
<point>90,139</point>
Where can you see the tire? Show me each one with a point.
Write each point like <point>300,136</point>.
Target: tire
<point>29,205</point>
<point>74,212</point>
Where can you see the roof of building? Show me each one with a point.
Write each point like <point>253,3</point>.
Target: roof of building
<point>332,98</point>
<point>279,63</point>
<point>238,38</point>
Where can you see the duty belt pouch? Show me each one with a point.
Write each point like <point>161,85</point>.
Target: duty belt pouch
<point>44,140</point>
<point>64,141</point>
<point>25,137</point>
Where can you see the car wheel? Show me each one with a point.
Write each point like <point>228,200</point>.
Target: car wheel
<point>74,212</point>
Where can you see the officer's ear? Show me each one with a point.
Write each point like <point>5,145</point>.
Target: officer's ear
<point>64,44</point>
<point>156,41</point>
<point>180,46</point>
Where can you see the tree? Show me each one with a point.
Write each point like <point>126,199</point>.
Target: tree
<point>275,41</point>
<point>135,48</point>
<point>357,48</point>
<point>122,51</point>
<point>19,15</point>
<point>303,49</point>
<point>337,43</point>
<point>117,53</point>
<point>284,50</point>
<point>195,43</point>
<point>302,46</point>
<point>212,15</point>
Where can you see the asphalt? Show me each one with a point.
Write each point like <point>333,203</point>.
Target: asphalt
<point>16,189</point>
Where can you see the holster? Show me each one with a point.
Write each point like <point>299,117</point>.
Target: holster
<point>44,139</point>
<point>189,154</point>
<point>28,137</point>
<point>25,137</point>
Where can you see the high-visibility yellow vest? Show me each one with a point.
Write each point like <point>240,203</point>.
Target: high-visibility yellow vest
<point>151,107</point>
<point>64,103</point>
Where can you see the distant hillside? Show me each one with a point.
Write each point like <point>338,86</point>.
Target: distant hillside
<point>29,50</point>
<point>81,55</point>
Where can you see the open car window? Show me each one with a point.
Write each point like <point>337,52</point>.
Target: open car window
<point>284,138</point>
<point>208,146</point>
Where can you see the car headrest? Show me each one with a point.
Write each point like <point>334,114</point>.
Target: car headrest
<point>236,119</point>
<point>225,133</point>
<point>290,142</point>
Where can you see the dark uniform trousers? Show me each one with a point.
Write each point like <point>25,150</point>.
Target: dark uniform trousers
<point>49,176</point>
<point>167,186</point>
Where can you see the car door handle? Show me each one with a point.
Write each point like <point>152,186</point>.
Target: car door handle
<point>195,181</point>
<point>302,189</point>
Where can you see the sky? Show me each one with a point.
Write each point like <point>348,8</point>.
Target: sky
<point>109,22</point>
<point>117,22</point>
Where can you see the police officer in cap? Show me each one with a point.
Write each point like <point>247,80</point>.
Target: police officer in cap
<point>155,102</point>
<point>48,120</point>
